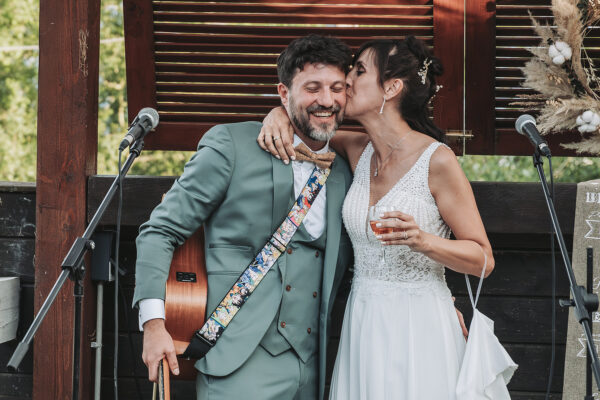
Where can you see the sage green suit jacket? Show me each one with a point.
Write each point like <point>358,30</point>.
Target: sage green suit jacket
<point>241,194</point>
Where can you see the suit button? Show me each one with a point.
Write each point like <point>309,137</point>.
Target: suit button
<point>288,288</point>
<point>282,324</point>
<point>290,251</point>
<point>315,294</point>
<point>317,254</point>
<point>308,330</point>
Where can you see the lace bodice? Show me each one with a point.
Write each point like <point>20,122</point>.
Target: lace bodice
<point>410,195</point>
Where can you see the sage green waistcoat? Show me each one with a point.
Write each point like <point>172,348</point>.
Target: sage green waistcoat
<point>296,324</point>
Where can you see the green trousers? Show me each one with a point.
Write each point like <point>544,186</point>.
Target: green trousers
<point>264,377</point>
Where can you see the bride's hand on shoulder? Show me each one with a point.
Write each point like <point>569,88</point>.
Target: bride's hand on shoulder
<point>277,135</point>
<point>405,231</point>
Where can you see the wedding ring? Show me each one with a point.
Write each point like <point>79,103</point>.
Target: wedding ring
<point>276,138</point>
<point>405,235</point>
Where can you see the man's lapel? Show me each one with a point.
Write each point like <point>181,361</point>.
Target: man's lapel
<point>335,197</point>
<point>283,191</point>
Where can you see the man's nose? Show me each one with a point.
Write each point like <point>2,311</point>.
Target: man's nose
<point>326,98</point>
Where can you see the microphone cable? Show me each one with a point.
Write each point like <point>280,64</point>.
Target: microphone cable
<point>119,290</point>
<point>131,344</point>
<point>116,293</point>
<point>553,255</point>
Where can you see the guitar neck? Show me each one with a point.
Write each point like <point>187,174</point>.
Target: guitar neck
<point>164,383</point>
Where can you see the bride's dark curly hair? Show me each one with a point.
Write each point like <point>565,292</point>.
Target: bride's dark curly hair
<point>404,59</point>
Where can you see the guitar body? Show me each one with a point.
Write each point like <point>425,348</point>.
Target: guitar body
<point>185,298</point>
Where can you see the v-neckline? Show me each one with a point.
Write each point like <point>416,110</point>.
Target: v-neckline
<point>368,172</point>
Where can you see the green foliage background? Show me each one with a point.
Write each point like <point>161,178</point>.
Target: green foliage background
<point>18,109</point>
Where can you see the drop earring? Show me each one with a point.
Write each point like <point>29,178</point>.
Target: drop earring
<point>382,104</point>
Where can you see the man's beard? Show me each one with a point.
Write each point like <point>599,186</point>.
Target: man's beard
<point>322,132</point>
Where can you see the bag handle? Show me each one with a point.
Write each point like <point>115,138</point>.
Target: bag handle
<point>474,302</point>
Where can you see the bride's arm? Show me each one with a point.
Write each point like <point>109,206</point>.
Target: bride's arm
<point>349,144</point>
<point>456,203</point>
<point>276,124</point>
<point>455,200</point>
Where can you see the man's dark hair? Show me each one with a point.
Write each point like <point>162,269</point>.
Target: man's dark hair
<point>313,49</point>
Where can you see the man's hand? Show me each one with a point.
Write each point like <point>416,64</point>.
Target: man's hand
<point>157,345</point>
<point>461,319</point>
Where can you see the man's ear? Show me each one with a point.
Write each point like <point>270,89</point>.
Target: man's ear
<point>284,93</point>
<point>393,88</point>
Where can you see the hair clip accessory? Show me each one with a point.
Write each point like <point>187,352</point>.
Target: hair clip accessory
<point>423,71</point>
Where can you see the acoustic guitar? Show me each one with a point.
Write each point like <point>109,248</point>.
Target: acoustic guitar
<point>185,306</point>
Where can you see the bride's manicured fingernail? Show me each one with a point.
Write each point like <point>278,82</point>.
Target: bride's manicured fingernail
<point>378,236</point>
<point>378,224</point>
<point>286,162</point>
<point>293,158</point>
<point>278,157</point>
<point>381,215</point>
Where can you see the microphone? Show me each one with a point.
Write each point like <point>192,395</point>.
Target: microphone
<point>525,125</point>
<point>146,120</point>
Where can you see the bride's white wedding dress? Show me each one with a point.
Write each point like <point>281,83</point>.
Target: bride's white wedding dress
<point>401,338</point>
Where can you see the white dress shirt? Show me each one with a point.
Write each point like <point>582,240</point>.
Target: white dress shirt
<point>314,223</point>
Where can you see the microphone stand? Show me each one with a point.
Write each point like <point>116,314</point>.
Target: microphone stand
<point>583,302</point>
<point>73,267</point>
<point>588,358</point>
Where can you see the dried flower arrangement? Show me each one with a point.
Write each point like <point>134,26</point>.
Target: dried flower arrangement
<point>564,75</point>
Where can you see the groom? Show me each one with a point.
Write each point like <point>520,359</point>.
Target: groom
<point>275,347</point>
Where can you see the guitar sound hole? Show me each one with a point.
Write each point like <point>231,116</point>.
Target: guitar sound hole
<point>185,277</point>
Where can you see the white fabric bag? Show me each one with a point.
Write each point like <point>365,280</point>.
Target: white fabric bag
<point>486,368</point>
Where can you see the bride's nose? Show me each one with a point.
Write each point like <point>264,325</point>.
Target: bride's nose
<point>348,84</point>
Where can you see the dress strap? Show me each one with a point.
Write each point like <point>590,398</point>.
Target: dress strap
<point>474,302</point>
<point>426,156</point>
<point>363,166</point>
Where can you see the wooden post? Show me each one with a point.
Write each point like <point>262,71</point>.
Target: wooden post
<point>478,51</point>
<point>480,56</point>
<point>66,156</point>
<point>448,35</point>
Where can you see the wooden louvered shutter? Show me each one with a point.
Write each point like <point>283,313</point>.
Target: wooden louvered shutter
<point>201,63</point>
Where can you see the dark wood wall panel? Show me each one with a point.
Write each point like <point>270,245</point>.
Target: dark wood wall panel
<point>516,296</point>
<point>500,203</point>
<point>17,246</point>
<point>17,230</point>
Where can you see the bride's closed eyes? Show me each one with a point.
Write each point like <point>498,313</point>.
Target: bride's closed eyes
<point>360,68</point>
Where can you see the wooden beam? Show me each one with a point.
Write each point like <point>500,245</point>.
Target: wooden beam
<point>67,145</point>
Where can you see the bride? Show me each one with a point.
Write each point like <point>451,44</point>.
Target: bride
<point>400,337</point>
